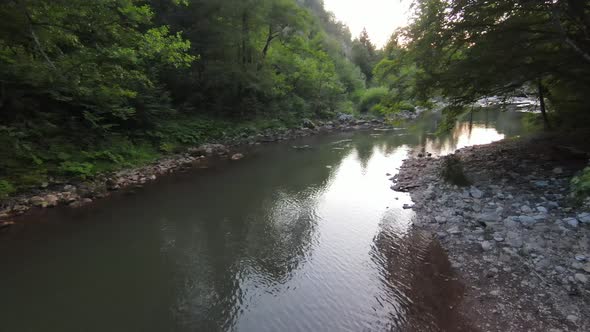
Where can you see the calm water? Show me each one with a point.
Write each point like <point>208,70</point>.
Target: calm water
<point>284,240</point>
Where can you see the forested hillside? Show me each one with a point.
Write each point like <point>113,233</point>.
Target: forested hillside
<point>90,86</point>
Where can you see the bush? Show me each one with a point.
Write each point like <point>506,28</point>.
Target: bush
<point>452,171</point>
<point>82,170</point>
<point>6,188</point>
<point>372,97</point>
<point>580,185</point>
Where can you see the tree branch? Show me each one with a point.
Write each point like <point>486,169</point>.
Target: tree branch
<point>566,39</point>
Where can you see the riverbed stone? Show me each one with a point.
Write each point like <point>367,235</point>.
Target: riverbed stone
<point>581,278</point>
<point>541,184</point>
<point>584,218</point>
<point>237,156</point>
<point>454,230</point>
<point>526,209</point>
<point>475,193</point>
<point>514,239</point>
<point>440,219</point>
<point>486,246</point>
<point>527,221</point>
<point>488,217</point>
<point>571,222</point>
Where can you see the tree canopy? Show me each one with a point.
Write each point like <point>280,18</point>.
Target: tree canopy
<point>88,84</point>
<point>471,49</point>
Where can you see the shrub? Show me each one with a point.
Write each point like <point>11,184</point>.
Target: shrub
<point>580,185</point>
<point>372,97</point>
<point>6,188</point>
<point>452,171</point>
<point>78,169</point>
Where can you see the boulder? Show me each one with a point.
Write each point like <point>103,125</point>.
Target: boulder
<point>486,246</point>
<point>527,221</point>
<point>584,218</point>
<point>345,117</point>
<point>237,156</point>
<point>571,222</point>
<point>488,217</point>
<point>475,193</point>
<point>209,150</point>
<point>513,239</point>
<point>307,123</point>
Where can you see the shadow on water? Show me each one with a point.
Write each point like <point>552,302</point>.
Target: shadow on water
<point>421,281</point>
<point>284,240</point>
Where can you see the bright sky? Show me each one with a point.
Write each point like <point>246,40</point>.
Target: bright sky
<point>380,17</point>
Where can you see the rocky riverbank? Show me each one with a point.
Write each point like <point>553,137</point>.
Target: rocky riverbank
<point>515,237</point>
<point>76,193</point>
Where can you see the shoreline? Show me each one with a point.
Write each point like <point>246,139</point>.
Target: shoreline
<point>520,247</point>
<point>77,193</point>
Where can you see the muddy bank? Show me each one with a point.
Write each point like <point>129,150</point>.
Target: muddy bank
<point>515,238</point>
<point>76,193</point>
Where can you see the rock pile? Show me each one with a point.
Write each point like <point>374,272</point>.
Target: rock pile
<point>513,235</point>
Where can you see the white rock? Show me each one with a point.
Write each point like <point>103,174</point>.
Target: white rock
<point>571,222</point>
<point>581,278</point>
<point>527,221</point>
<point>454,230</point>
<point>584,218</point>
<point>475,193</point>
<point>486,246</point>
<point>440,219</point>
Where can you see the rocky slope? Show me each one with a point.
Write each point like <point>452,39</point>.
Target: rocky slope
<point>516,239</point>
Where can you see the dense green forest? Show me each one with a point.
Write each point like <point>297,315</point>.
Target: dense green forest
<point>90,86</point>
<point>464,50</point>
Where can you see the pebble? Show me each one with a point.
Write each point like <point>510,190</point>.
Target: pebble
<point>581,278</point>
<point>584,218</point>
<point>572,318</point>
<point>454,230</point>
<point>475,193</point>
<point>541,183</point>
<point>440,219</point>
<point>486,246</point>
<point>542,209</point>
<point>571,222</point>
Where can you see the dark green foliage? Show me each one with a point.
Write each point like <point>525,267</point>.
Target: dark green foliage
<point>452,172</point>
<point>371,98</point>
<point>469,49</point>
<point>581,184</point>
<point>93,86</point>
<point>6,188</point>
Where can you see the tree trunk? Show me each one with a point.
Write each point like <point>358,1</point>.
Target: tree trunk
<point>245,35</point>
<point>269,39</point>
<point>543,109</point>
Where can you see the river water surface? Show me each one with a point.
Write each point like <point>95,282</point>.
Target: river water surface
<point>283,240</point>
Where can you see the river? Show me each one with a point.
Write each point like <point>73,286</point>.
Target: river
<point>283,240</point>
